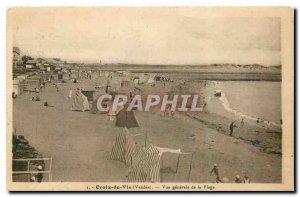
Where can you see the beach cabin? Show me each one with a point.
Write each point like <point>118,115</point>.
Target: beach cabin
<point>22,77</point>
<point>126,73</point>
<point>65,76</point>
<point>115,84</point>
<point>95,75</point>
<point>47,76</point>
<point>126,83</point>
<point>60,76</point>
<point>143,78</point>
<point>33,82</point>
<point>54,76</point>
<point>102,73</point>
<point>90,94</point>
<point>106,73</point>
<point>100,89</point>
<point>43,69</point>
<point>18,86</point>
<point>74,74</point>
<point>136,80</point>
<point>82,74</point>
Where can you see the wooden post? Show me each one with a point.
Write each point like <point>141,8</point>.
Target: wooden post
<point>161,167</point>
<point>146,136</point>
<point>50,169</point>
<point>177,163</point>
<point>29,175</point>
<point>190,167</point>
<point>28,163</point>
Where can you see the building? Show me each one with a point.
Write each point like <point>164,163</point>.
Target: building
<point>55,62</point>
<point>40,62</point>
<point>30,64</point>
<point>16,57</point>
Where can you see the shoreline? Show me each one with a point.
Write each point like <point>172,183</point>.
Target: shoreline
<point>227,107</point>
<point>215,115</point>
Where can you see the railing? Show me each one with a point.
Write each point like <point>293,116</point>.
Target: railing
<point>29,172</point>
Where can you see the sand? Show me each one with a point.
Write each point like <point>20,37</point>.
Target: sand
<point>79,142</point>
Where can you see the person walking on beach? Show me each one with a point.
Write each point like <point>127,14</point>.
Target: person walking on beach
<point>242,123</point>
<point>215,171</point>
<point>41,87</point>
<point>232,125</point>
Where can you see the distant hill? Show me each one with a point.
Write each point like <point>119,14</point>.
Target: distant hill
<point>250,66</point>
<point>215,68</point>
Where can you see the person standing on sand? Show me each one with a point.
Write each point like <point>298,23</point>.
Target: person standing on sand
<point>231,126</point>
<point>39,176</point>
<point>246,179</point>
<point>70,93</point>
<point>238,179</point>
<point>269,124</point>
<point>168,110</point>
<point>242,123</point>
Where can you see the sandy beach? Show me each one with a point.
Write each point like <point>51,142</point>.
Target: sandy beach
<point>67,136</point>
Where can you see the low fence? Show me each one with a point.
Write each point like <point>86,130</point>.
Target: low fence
<point>24,169</point>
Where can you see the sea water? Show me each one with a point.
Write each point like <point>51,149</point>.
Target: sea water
<point>253,99</point>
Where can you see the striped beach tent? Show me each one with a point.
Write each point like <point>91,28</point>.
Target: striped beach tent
<point>145,165</point>
<point>139,155</point>
<point>123,148</point>
<point>130,148</point>
<point>153,157</point>
<point>140,172</point>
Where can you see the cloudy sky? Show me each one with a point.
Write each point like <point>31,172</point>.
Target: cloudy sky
<point>148,36</point>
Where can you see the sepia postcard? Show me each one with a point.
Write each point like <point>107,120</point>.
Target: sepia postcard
<point>150,99</point>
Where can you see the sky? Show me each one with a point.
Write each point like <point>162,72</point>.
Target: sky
<point>146,36</point>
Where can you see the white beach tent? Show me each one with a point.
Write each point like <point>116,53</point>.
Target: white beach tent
<point>80,103</point>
